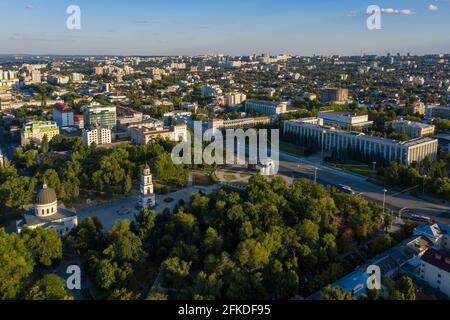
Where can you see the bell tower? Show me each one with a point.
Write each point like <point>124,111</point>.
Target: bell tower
<point>147,197</point>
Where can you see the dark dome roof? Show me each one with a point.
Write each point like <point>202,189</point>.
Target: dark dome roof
<point>46,196</point>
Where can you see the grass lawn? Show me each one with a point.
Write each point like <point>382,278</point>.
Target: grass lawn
<point>292,149</point>
<point>361,169</point>
<point>201,179</point>
<point>229,177</point>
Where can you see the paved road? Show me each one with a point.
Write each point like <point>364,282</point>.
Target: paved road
<point>295,166</point>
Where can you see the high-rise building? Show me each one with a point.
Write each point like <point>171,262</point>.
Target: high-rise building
<point>63,115</point>
<point>101,115</point>
<point>147,197</point>
<point>36,130</point>
<point>96,134</point>
<point>232,99</point>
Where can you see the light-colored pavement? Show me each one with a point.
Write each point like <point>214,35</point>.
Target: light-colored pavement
<point>125,209</point>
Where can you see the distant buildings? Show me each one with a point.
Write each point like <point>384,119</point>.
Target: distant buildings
<point>76,77</point>
<point>337,95</point>
<point>145,135</point>
<point>267,108</point>
<point>48,215</point>
<point>211,91</point>
<point>437,111</point>
<point>232,99</point>
<point>96,134</point>
<point>238,123</point>
<point>63,115</point>
<point>416,107</point>
<point>35,131</point>
<point>345,119</point>
<point>187,106</point>
<point>5,98</point>
<point>413,129</point>
<point>330,138</point>
<point>101,115</point>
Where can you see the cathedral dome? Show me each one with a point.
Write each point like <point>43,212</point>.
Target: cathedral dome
<point>46,196</point>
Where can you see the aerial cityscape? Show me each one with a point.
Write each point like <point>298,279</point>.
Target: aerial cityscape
<point>197,155</point>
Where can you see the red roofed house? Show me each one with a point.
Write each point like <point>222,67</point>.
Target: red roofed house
<point>63,115</point>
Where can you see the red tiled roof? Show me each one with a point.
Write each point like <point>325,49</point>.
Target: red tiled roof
<point>62,107</point>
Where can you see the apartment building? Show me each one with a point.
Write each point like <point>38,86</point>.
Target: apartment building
<point>330,138</point>
<point>36,130</point>
<point>99,135</point>
<point>5,99</point>
<point>416,107</point>
<point>435,269</point>
<point>342,118</point>
<point>232,99</point>
<point>413,129</point>
<point>211,91</point>
<point>267,108</point>
<point>63,115</point>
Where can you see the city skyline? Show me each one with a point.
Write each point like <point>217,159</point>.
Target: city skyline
<point>157,28</point>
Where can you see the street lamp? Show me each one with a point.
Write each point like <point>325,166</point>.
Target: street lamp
<point>424,183</point>
<point>384,200</point>
<point>315,175</point>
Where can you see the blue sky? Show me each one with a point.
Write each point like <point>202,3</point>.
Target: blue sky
<point>173,27</point>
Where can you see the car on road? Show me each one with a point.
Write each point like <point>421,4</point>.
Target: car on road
<point>346,189</point>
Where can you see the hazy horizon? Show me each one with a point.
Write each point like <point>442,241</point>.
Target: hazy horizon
<point>158,28</point>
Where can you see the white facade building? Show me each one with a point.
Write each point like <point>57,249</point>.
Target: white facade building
<point>266,107</point>
<point>48,215</point>
<point>147,197</point>
<point>63,115</point>
<point>331,138</point>
<point>345,119</point>
<point>99,135</point>
<point>232,99</point>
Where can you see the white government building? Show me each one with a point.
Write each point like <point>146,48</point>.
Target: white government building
<point>405,152</point>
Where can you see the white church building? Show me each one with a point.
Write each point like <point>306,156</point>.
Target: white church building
<point>48,215</point>
<point>147,197</point>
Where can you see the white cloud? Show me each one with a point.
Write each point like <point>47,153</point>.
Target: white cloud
<point>433,7</point>
<point>397,11</point>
